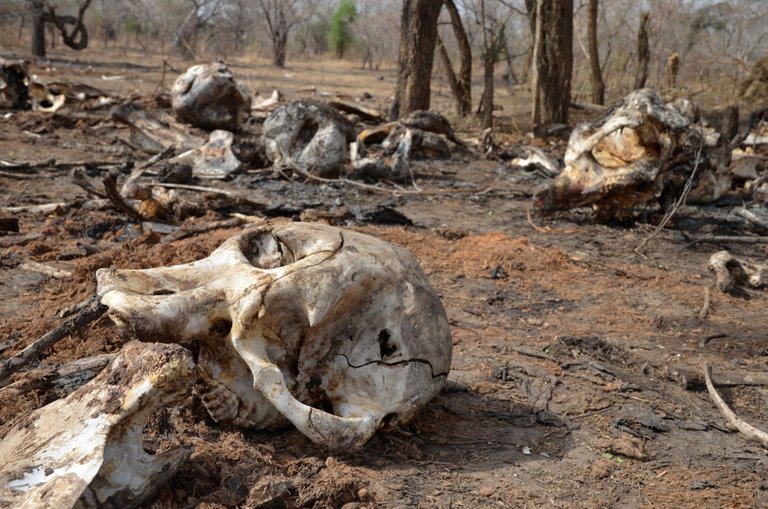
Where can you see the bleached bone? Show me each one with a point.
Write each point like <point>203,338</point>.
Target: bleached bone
<point>630,158</point>
<point>732,274</point>
<point>215,159</point>
<point>85,450</point>
<point>311,135</point>
<point>339,332</point>
<point>208,96</point>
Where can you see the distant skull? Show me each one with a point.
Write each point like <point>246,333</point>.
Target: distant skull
<point>208,96</point>
<point>337,331</point>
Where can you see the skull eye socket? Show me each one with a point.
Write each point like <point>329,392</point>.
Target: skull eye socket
<point>265,251</point>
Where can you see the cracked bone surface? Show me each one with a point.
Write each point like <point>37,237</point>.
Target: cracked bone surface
<point>628,159</point>
<point>336,331</point>
<point>86,450</point>
<point>309,134</point>
<point>208,96</point>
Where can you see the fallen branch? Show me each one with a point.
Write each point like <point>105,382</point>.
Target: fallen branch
<point>724,239</point>
<point>21,359</point>
<point>190,232</point>
<point>51,163</point>
<point>131,188</point>
<point>110,188</point>
<point>744,428</point>
<point>704,311</point>
<point>752,217</point>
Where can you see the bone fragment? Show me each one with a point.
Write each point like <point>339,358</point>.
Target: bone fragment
<point>86,450</point>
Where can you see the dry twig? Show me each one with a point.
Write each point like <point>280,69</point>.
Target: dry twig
<point>21,359</point>
<point>704,311</point>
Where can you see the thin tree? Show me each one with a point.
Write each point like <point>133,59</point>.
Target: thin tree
<point>596,74</point>
<point>461,81</point>
<point>281,16</point>
<point>339,32</point>
<point>643,51</point>
<point>552,60</point>
<point>418,38</point>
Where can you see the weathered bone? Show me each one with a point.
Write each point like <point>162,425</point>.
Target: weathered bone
<point>208,96</point>
<point>732,274</point>
<point>296,320</point>
<point>85,450</point>
<point>630,158</point>
<point>309,134</point>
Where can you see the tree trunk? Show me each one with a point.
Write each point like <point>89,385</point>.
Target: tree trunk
<point>488,65</point>
<point>38,29</point>
<point>418,37</point>
<point>279,46</point>
<point>463,90</point>
<point>552,60</point>
<point>643,51</point>
<point>598,85</point>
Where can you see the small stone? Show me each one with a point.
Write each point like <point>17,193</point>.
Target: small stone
<point>363,494</point>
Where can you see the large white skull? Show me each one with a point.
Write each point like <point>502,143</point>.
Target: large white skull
<point>338,331</point>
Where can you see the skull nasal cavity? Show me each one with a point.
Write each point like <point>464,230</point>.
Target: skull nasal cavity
<point>386,348</point>
<point>307,132</point>
<point>221,327</point>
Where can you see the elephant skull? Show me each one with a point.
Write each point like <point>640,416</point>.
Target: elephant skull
<point>339,332</point>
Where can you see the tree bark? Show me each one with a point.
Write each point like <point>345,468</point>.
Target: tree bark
<point>488,65</point>
<point>537,27</point>
<point>643,51</point>
<point>461,85</point>
<point>598,85</point>
<point>38,29</point>
<point>553,62</point>
<point>418,37</point>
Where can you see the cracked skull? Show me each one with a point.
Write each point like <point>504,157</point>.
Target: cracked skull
<point>339,332</point>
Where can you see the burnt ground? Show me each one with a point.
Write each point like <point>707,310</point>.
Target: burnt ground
<point>577,361</point>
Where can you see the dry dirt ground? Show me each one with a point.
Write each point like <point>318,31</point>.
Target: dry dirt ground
<point>577,361</point>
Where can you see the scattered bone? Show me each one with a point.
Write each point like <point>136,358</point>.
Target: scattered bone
<point>215,159</point>
<point>300,317</point>
<point>308,134</point>
<point>34,266</point>
<point>745,167</point>
<point>43,99</point>
<point>628,160</point>
<point>433,122</point>
<point>732,274</point>
<point>154,134</point>
<point>538,159</point>
<point>269,103</point>
<point>86,450</point>
<point>363,112</point>
<point>208,96</point>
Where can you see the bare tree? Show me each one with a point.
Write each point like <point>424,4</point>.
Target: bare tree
<point>43,12</point>
<point>596,74</point>
<point>643,51</point>
<point>281,16</point>
<point>461,82</point>
<point>552,61</point>
<point>418,37</point>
